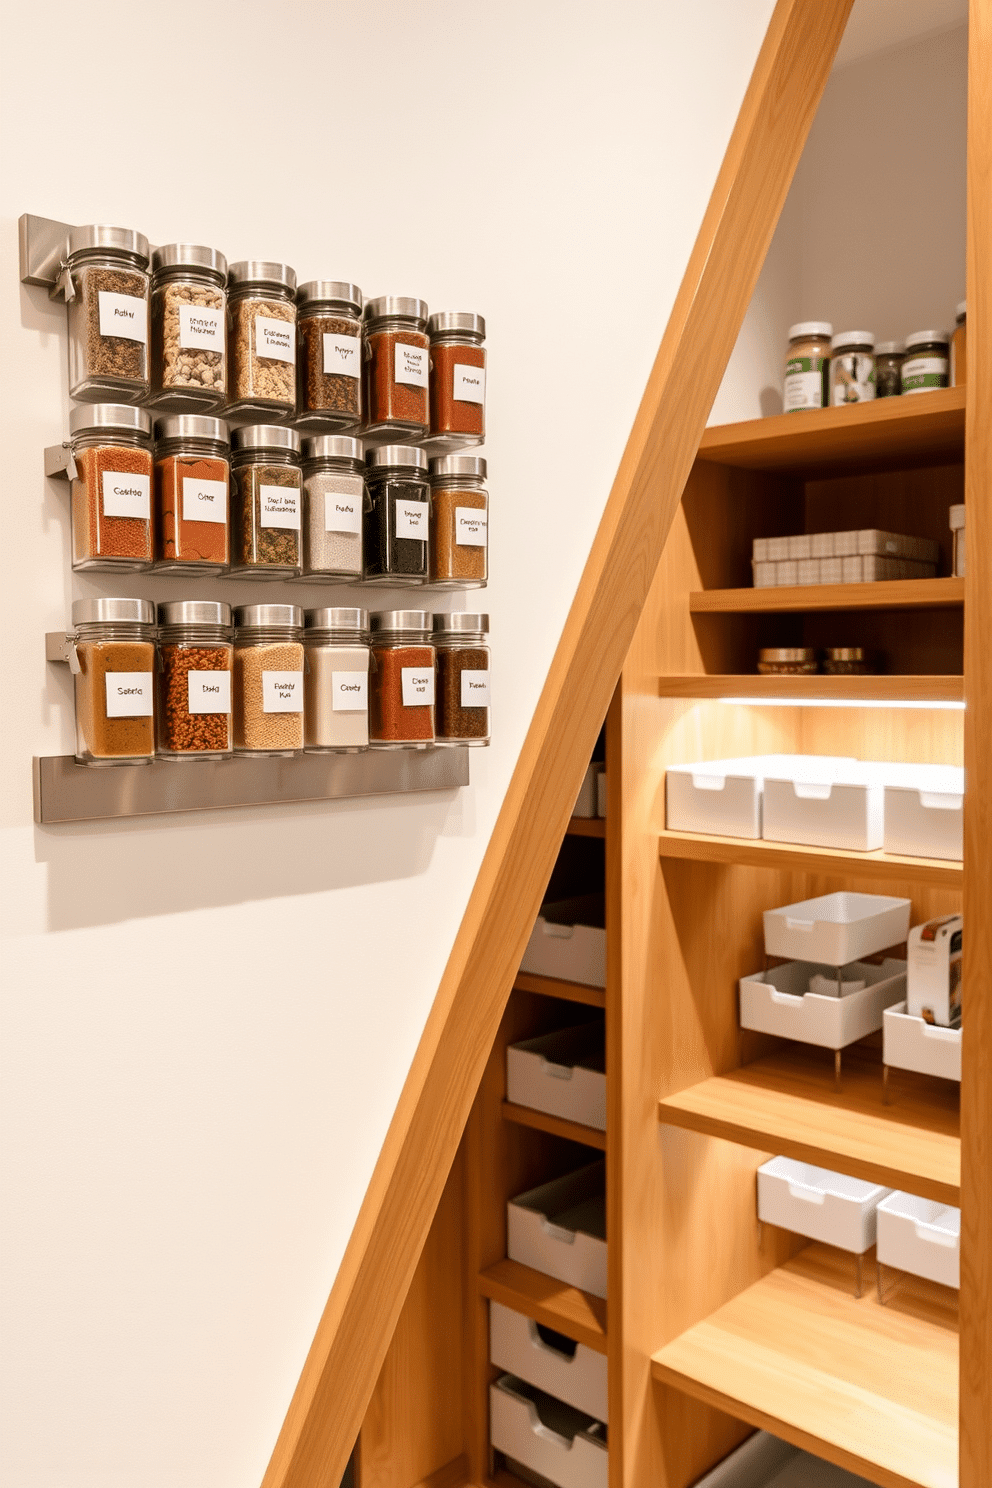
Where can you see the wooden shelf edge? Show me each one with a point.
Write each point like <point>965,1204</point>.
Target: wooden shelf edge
<point>895,594</point>
<point>698,847</point>
<point>586,826</point>
<point>526,981</point>
<point>554,1303</point>
<point>922,688</point>
<point>574,1131</point>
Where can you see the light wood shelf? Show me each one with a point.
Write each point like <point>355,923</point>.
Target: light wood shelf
<point>564,1308</point>
<point>924,689</point>
<point>895,594</point>
<point>574,1131</point>
<point>871,1388</point>
<point>526,981</point>
<point>698,847</point>
<point>586,826</point>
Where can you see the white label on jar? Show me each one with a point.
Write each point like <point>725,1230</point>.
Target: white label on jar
<point>852,378</point>
<point>201,327</point>
<point>411,519</point>
<point>204,500</point>
<point>275,339</point>
<point>919,374</point>
<point>469,384</point>
<point>342,355</point>
<point>129,694</point>
<point>411,365</point>
<point>127,495</point>
<point>349,692</point>
<point>209,692</point>
<point>475,689</point>
<point>803,390</point>
<point>342,513</point>
<point>280,506</point>
<point>471,527</point>
<point>123,315</point>
<point>418,686</point>
<point>282,692</point>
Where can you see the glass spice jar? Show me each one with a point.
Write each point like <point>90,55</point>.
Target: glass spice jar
<point>329,356</point>
<point>807,366</point>
<point>926,363</point>
<point>459,525</point>
<point>397,516</point>
<point>261,314</point>
<point>959,346</point>
<point>458,380</point>
<point>333,508</point>
<point>401,680</point>
<point>192,484</point>
<point>104,279</point>
<point>852,368</point>
<point>113,659</point>
<point>195,658</point>
<point>888,368</point>
<point>462,711</point>
<point>110,470</point>
<point>787,661</point>
<point>189,328</point>
<point>266,497</point>
<point>396,370</point>
<point>336,681</point>
<point>846,661</point>
<point>268,680</point>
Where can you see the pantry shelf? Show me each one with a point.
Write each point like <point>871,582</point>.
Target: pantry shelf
<point>697,847</point>
<point>549,1302</point>
<point>787,1103</point>
<point>526,981</point>
<point>924,689</point>
<point>871,1388</point>
<point>586,826</point>
<point>574,1131</point>
<point>894,594</point>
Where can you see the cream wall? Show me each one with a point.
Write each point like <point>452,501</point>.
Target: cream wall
<point>207,1020</point>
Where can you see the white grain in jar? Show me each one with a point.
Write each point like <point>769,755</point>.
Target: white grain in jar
<point>268,680</point>
<point>336,681</point>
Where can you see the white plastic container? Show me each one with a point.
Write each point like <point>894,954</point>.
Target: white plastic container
<point>721,797</point>
<point>779,1002</point>
<point>836,929</point>
<point>920,1236</point>
<point>824,802</point>
<point>924,811</point>
<point>546,1436</point>
<point>585,805</point>
<point>822,1205</point>
<point>560,1229</point>
<point>910,1043</point>
<point>561,1073</point>
<point>570,1371</point>
<point>564,945</point>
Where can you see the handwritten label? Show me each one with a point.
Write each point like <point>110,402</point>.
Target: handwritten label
<point>475,689</point>
<point>411,519</point>
<point>411,365</point>
<point>280,506</point>
<point>123,315</point>
<point>201,328</point>
<point>471,527</point>
<point>342,355</point>
<point>342,513</point>
<point>282,692</point>
<point>126,495</point>
<point>204,500</point>
<point>209,692</point>
<point>418,686</point>
<point>469,384</point>
<point>349,692</point>
<point>275,339</point>
<point>129,694</point>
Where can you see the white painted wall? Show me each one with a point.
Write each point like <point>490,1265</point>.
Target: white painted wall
<point>207,1020</point>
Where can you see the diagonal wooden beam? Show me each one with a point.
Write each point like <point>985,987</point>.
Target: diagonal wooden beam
<point>353,1335</point>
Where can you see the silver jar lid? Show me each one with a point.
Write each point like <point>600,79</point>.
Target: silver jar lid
<point>926,338</point>
<point>109,417</point>
<point>464,465</point>
<point>890,348</point>
<point>447,321</point>
<point>102,610</point>
<point>386,306</point>
<point>399,621</point>
<point>397,456</point>
<point>461,622</point>
<point>246,616</point>
<point>797,654</point>
<point>265,436</point>
<point>95,236</point>
<point>189,255</point>
<point>262,271</point>
<point>332,447</point>
<point>845,653</point>
<point>852,338</point>
<point>330,291</point>
<point>194,612</point>
<point>810,328</point>
<point>340,619</point>
<point>191,426</point>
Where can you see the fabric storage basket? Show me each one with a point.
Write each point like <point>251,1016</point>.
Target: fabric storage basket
<point>562,1073</point>
<point>779,1001</point>
<point>825,803</point>
<point>568,1370</point>
<point>920,1236</point>
<point>722,797</point>
<point>545,1436</point>
<point>569,942</point>
<point>822,1205</point>
<point>911,1043</point>
<point>560,1228</point>
<point>836,929</point>
<point>924,811</point>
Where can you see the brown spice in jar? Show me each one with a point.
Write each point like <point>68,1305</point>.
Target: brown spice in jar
<point>454,721</point>
<point>389,720</point>
<point>97,736</point>
<point>254,729</point>
<point>386,400</point>
<point>179,538</point>
<point>110,356</point>
<point>180,731</point>
<point>450,559</point>
<point>93,534</point>
<point>251,375</point>
<point>321,391</point>
<point>450,415</point>
<point>175,365</point>
<point>256,546</point>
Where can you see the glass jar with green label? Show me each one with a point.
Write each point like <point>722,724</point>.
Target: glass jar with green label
<point>807,366</point>
<point>927,362</point>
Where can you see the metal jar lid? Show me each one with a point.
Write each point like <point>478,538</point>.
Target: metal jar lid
<point>810,328</point>
<point>464,465</point>
<point>262,271</point>
<point>890,348</point>
<point>111,417</point>
<point>399,621</point>
<point>340,619</point>
<point>190,255</point>
<point>266,436</point>
<point>926,338</point>
<point>961,310</point>
<point>447,321</point>
<point>106,611</point>
<point>191,426</point>
<point>330,292</point>
<point>397,456</point>
<point>194,612</point>
<point>846,653</point>
<point>852,338</point>
<point>261,615</point>
<point>387,306</point>
<point>332,447</point>
<point>461,622</point>
<point>787,654</point>
<point>95,236</point>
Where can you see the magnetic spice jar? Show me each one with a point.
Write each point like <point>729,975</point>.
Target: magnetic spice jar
<point>333,508</point>
<point>261,312</point>
<point>113,659</point>
<point>195,658</point>
<point>401,680</point>
<point>104,279</point>
<point>926,363</point>
<point>192,484</point>
<point>397,516</point>
<point>397,370</point>
<point>462,710</point>
<point>110,471</point>
<point>458,380</point>
<point>959,346</point>
<point>888,368</point>
<point>329,356</point>
<point>189,328</point>
<point>266,492</point>
<point>268,680</point>
<point>807,366</point>
<point>852,368</point>
<point>459,526</point>
<point>336,681</point>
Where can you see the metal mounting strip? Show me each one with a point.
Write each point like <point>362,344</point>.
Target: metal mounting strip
<point>41,241</point>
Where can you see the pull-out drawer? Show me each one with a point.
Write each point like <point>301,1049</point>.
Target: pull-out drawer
<point>779,1001</point>
<point>920,1236</point>
<point>566,1369</point>
<point>562,1073</point>
<point>560,1229</point>
<point>822,1205</point>
<point>546,1436</point>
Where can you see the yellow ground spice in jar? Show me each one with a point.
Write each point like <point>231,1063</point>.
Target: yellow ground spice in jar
<point>459,523</point>
<point>113,659</point>
<point>268,680</point>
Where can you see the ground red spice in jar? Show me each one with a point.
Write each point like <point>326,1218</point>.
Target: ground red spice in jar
<point>401,680</point>
<point>396,369</point>
<point>195,661</point>
<point>111,475</point>
<point>192,489</point>
<point>458,380</point>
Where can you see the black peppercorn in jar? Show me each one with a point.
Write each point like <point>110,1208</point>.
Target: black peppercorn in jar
<point>397,370</point>
<point>261,313</point>
<point>462,708</point>
<point>266,502</point>
<point>329,356</point>
<point>189,328</point>
<point>397,516</point>
<point>104,279</point>
<point>888,368</point>
<point>195,657</point>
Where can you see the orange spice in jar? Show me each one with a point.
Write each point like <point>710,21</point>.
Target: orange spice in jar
<point>458,380</point>
<point>192,485</point>
<point>459,523</point>
<point>113,661</point>
<point>110,470</point>
<point>396,371</point>
<point>401,680</point>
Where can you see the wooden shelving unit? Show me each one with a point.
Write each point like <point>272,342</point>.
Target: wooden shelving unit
<point>547,1301</point>
<point>588,1136</point>
<point>697,847</point>
<point>587,826</point>
<point>898,594</point>
<point>567,991</point>
<point>806,690</point>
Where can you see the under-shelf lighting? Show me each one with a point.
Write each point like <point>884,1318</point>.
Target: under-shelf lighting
<point>942,704</point>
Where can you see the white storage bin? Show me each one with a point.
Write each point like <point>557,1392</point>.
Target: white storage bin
<point>779,1002</point>
<point>836,929</point>
<point>822,545</point>
<point>562,1073</point>
<point>825,802</point>
<point>546,1436</point>
<point>759,549</point>
<point>568,1370</point>
<point>788,574</point>
<point>822,1205</point>
<point>800,546</point>
<point>924,811</point>
<point>765,575</point>
<point>585,805</point>
<point>831,570</point>
<point>560,1228</point>
<point>569,942</point>
<point>808,571</point>
<point>778,549</point>
<point>765,1462</point>
<point>721,797</point>
<point>910,1043</point>
<point>920,1236</point>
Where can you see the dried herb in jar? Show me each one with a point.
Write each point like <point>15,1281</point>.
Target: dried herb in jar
<point>105,282</point>
<point>266,499</point>
<point>329,359</point>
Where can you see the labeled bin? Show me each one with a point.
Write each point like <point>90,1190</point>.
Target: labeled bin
<point>560,1228</point>
<point>570,1371</point>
